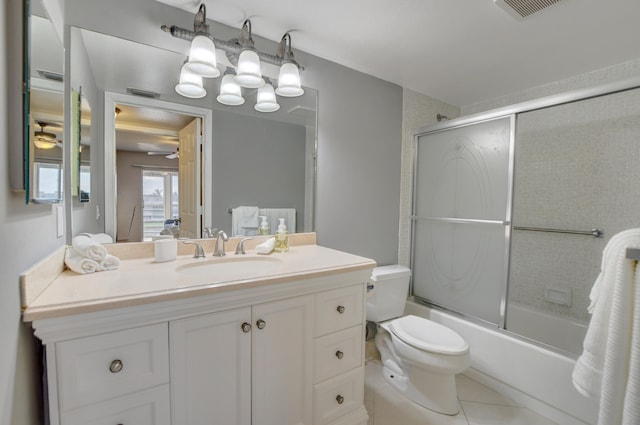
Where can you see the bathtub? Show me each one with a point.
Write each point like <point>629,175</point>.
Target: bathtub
<point>535,377</point>
<point>546,328</point>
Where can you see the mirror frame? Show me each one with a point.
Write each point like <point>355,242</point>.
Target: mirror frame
<point>110,189</point>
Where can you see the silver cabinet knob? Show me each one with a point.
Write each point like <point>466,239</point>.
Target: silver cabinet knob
<point>339,354</point>
<point>116,366</point>
<point>261,324</point>
<point>246,327</point>
<point>340,399</point>
<point>340,309</point>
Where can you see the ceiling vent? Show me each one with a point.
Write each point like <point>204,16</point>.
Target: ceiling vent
<point>50,75</point>
<point>521,9</point>
<point>142,93</point>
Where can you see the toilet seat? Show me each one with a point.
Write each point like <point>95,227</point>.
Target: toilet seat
<point>428,336</point>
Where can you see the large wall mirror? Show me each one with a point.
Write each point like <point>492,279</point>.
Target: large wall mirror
<point>44,120</point>
<point>151,177</point>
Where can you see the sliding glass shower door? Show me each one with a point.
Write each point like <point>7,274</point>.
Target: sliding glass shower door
<point>461,217</point>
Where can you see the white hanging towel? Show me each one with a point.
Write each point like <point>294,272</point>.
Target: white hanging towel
<point>612,343</point>
<point>244,221</point>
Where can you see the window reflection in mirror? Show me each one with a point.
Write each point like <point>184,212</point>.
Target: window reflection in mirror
<point>46,117</point>
<point>45,165</point>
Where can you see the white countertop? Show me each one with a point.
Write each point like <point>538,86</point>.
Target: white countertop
<point>142,281</point>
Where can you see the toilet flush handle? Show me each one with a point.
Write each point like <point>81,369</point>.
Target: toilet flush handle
<point>370,287</point>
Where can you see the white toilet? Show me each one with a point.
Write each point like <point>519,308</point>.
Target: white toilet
<point>419,357</point>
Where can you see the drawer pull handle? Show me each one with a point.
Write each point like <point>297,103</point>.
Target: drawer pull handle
<point>340,309</point>
<point>246,327</point>
<point>115,366</point>
<point>339,354</point>
<point>261,324</point>
<point>340,399</point>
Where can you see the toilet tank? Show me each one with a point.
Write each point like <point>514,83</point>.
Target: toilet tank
<point>389,294</point>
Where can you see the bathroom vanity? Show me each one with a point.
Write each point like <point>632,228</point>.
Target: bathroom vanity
<point>262,340</point>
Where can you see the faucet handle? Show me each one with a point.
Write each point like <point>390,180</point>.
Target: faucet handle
<point>240,247</point>
<point>198,252</point>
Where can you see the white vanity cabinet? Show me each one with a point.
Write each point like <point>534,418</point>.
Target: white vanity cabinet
<point>251,365</point>
<point>291,353</point>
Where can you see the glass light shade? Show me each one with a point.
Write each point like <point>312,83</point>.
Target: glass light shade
<point>44,144</point>
<point>190,84</point>
<point>266,99</point>
<point>230,92</point>
<point>202,57</point>
<point>289,81</point>
<point>249,74</point>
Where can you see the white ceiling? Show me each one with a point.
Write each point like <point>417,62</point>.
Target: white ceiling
<point>458,51</point>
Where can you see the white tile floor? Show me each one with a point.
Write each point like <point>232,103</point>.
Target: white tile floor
<point>479,405</point>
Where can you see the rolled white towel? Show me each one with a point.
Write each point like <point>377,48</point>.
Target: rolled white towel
<point>110,262</point>
<point>78,263</point>
<point>266,247</point>
<point>89,248</point>
<point>99,237</point>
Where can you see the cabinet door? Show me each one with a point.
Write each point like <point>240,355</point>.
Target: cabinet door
<point>211,369</point>
<point>283,362</point>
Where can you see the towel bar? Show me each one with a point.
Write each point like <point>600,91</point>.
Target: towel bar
<point>596,233</point>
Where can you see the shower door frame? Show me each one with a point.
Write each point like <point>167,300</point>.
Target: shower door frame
<point>450,125</point>
<point>511,112</point>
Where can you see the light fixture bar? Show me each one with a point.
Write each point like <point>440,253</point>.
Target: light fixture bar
<point>231,47</point>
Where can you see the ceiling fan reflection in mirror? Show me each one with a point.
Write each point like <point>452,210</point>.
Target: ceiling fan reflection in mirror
<point>44,139</point>
<point>168,155</point>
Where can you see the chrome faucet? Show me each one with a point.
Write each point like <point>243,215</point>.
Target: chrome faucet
<point>220,240</point>
<point>198,251</point>
<point>240,247</point>
<point>209,231</point>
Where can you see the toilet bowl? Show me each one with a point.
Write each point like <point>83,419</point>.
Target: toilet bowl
<point>420,358</point>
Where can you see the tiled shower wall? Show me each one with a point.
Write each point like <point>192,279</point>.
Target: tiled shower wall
<point>577,167</point>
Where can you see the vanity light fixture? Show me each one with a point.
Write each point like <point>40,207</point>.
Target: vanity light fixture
<point>230,91</point>
<point>266,99</point>
<point>249,73</point>
<point>202,55</point>
<point>190,84</point>
<point>289,79</point>
<point>240,52</point>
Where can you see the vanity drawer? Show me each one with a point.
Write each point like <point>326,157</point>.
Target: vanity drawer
<point>339,309</point>
<point>337,353</point>
<point>338,396</point>
<point>149,407</point>
<point>105,366</point>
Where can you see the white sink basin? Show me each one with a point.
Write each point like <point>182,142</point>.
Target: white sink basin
<point>230,268</point>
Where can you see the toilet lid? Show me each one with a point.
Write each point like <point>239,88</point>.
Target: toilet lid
<point>429,336</point>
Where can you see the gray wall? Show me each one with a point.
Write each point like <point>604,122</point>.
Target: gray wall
<point>359,127</point>
<point>28,234</point>
<point>256,162</point>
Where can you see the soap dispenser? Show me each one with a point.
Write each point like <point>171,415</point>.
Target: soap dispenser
<point>264,228</point>
<point>282,237</point>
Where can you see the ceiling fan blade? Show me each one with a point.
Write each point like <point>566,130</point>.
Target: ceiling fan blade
<point>161,153</point>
